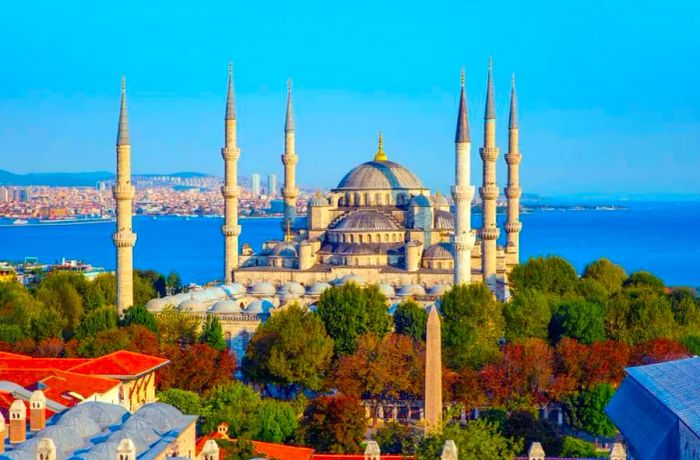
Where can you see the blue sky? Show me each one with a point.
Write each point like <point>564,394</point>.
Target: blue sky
<point>609,99</point>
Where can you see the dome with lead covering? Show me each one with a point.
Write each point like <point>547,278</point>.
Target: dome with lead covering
<point>192,305</point>
<point>387,290</point>
<point>225,307</point>
<point>292,287</point>
<point>318,288</point>
<point>263,288</point>
<point>366,221</point>
<point>412,290</point>
<point>438,251</point>
<point>259,306</point>
<point>285,249</point>
<point>352,278</point>
<point>379,175</point>
<point>233,289</point>
<point>439,289</point>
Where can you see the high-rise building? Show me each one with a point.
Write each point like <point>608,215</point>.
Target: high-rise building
<point>272,185</point>
<point>255,183</point>
<point>4,195</point>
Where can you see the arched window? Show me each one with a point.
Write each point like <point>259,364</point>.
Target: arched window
<point>378,199</point>
<point>352,238</point>
<point>359,238</point>
<point>367,199</point>
<point>369,238</point>
<point>386,237</point>
<point>357,199</point>
<point>388,199</point>
<point>357,262</point>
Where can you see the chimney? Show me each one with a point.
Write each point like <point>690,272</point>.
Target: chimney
<point>3,434</point>
<point>222,429</point>
<point>210,450</point>
<point>37,411</point>
<point>536,452</point>
<point>18,421</point>
<point>46,450</point>
<point>618,452</point>
<point>126,450</point>
<point>372,451</point>
<point>449,451</point>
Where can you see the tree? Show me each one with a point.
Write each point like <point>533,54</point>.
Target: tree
<point>104,342</point>
<point>608,274</point>
<point>658,351</point>
<point>527,315</point>
<point>291,349</point>
<point>577,448</point>
<point>593,291</point>
<point>578,319</point>
<point>101,291</point>
<point>586,410</point>
<point>197,368</point>
<point>187,402</point>
<point>236,404</point>
<point>644,280</point>
<point>410,319</point>
<point>11,333</point>
<point>686,308</point>
<point>639,314</point>
<point>478,440</point>
<point>139,314</point>
<point>212,333</point>
<point>385,369</point>
<point>145,283</point>
<point>173,283</point>
<point>524,425</point>
<point>277,421</point>
<point>349,311</point>
<point>546,274</point>
<point>175,326</point>
<point>396,438</point>
<point>472,326</point>
<point>580,366</point>
<point>463,387</point>
<point>98,320</point>
<point>58,293</point>
<point>334,424</point>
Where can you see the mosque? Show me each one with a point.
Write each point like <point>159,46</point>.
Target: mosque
<point>379,225</point>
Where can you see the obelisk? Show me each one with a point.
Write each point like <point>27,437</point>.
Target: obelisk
<point>433,373</point>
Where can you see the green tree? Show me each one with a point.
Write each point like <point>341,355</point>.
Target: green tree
<point>472,325</point>
<point>410,319</point>
<point>546,274</point>
<point>396,438</point>
<point>527,315</point>
<point>212,333</point>
<point>139,314</point>
<point>637,315</point>
<point>175,326</point>
<point>586,410</point>
<point>608,274</point>
<point>478,440</point>
<point>104,342</point>
<point>291,348</point>
<point>578,448</point>
<point>188,402</point>
<point>349,311</point>
<point>60,292</point>
<point>578,319</point>
<point>100,319</point>
<point>11,333</point>
<point>524,425</point>
<point>173,283</point>
<point>686,309</point>
<point>593,291</point>
<point>144,286</point>
<point>644,279</point>
<point>277,421</point>
<point>236,404</point>
<point>104,288</point>
<point>334,424</point>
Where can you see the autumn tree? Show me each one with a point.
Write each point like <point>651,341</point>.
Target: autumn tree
<point>472,325</point>
<point>291,349</point>
<point>658,351</point>
<point>609,275</point>
<point>410,319</point>
<point>175,326</point>
<point>333,424</point>
<point>527,315</point>
<point>349,311</point>
<point>196,368</point>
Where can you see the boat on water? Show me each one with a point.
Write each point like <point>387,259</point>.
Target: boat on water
<point>20,222</point>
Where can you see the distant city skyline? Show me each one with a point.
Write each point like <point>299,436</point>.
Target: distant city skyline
<point>609,101</point>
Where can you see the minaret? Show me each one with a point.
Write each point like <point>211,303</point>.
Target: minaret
<point>513,190</point>
<point>289,159</point>
<point>433,372</point>
<point>230,154</point>
<point>462,194</point>
<point>124,238</point>
<point>489,189</point>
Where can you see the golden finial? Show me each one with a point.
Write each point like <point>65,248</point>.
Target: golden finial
<point>288,231</point>
<point>461,77</point>
<point>380,155</point>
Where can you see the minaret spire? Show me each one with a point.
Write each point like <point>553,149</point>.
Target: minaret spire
<point>489,189</point>
<point>289,160</point>
<point>124,238</point>
<point>462,194</point>
<point>513,190</point>
<point>230,153</point>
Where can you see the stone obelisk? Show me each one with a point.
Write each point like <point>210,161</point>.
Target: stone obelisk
<point>433,373</point>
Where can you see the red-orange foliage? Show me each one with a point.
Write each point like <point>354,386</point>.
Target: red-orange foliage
<point>197,368</point>
<point>658,350</point>
<point>463,387</point>
<point>580,366</point>
<point>49,348</point>
<point>334,424</point>
<point>143,340</point>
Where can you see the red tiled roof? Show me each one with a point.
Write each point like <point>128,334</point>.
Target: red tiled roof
<point>6,400</point>
<point>63,364</point>
<point>284,452</point>
<point>357,457</point>
<point>7,355</point>
<point>121,364</point>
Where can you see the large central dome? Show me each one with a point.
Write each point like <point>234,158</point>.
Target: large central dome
<point>379,175</point>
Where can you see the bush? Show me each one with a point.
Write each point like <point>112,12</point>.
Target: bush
<point>578,448</point>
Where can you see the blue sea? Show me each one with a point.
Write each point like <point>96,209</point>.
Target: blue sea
<point>658,237</point>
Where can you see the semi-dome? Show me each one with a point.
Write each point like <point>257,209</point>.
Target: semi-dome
<point>319,200</point>
<point>318,288</point>
<point>285,249</point>
<point>366,221</point>
<point>225,307</point>
<point>438,251</point>
<point>259,306</point>
<point>387,290</point>
<point>379,175</point>
<point>420,201</point>
<point>263,288</point>
<point>411,290</point>
<point>443,220</point>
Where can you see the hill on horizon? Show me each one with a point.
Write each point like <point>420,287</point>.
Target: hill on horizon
<point>75,179</point>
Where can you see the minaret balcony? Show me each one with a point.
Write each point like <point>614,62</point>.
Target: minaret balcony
<point>513,227</point>
<point>462,193</point>
<point>231,230</point>
<point>290,194</point>
<point>229,191</point>
<point>464,242</point>
<point>230,153</point>
<point>489,153</point>
<point>490,233</point>
<point>513,158</point>
<point>289,159</point>
<point>124,238</point>
<point>123,192</point>
<point>513,192</point>
<point>488,192</point>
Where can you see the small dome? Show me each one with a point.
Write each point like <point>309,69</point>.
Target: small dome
<point>443,220</point>
<point>287,297</point>
<point>263,288</point>
<point>259,306</point>
<point>366,221</point>
<point>379,175</point>
<point>156,305</point>
<point>439,289</point>
<point>233,289</point>
<point>387,290</point>
<point>438,251</point>
<point>420,201</point>
<point>319,200</point>
<point>439,200</point>
<point>285,249</point>
<point>357,279</point>
<point>193,306</point>
<point>412,290</point>
<point>318,287</point>
<point>225,307</point>
<point>292,287</point>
